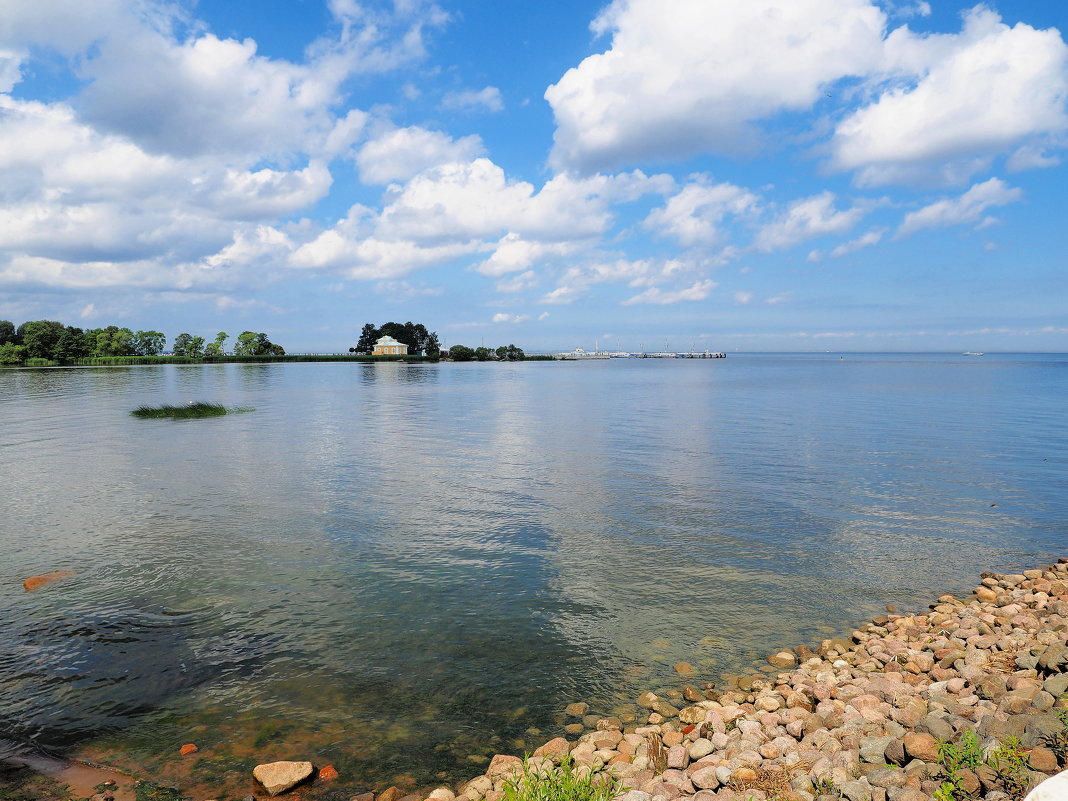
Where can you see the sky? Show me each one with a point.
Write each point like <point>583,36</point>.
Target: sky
<point>800,175</point>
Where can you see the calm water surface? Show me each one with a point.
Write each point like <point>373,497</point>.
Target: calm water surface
<point>404,568</point>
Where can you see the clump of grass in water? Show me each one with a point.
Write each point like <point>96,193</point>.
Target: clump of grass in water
<point>188,412</point>
<point>567,782</point>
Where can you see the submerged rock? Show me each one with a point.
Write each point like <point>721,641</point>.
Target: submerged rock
<point>36,582</point>
<point>277,777</point>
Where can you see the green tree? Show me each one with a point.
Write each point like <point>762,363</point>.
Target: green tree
<point>252,344</point>
<point>149,343</point>
<point>368,336</point>
<point>433,347</point>
<point>510,353</point>
<point>40,338</point>
<point>72,344</point>
<point>483,354</point>
<point>461,353</point>
<point>112,341</point>
<point>7,333</point>
<point>217,348</point>
<point>194,349</point>
<point>10,353</point>
<point>181,344</point>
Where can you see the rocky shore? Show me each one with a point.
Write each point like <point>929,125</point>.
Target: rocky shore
<point>967,700</point>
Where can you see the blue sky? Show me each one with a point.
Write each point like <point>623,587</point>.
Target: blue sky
<point>773,175</point>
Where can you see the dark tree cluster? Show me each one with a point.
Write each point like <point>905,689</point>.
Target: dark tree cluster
<point>420,342</point>
<point>48,339</point>
<point>505,353</point>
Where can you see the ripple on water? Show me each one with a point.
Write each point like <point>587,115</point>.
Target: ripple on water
<point>404,570</point>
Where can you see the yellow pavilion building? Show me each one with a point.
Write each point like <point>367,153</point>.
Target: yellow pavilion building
<point>388,346</point>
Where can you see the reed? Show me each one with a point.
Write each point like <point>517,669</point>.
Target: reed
<point>188,412</point>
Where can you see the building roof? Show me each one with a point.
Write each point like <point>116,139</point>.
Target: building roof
<point>388,340</point>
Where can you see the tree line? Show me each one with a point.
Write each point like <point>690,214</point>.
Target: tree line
<point>52,340</point>
<point>505,353</point>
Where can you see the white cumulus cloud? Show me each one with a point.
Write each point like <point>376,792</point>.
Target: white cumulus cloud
<point>695,215</point>
<point>975,94</point>
<point>968,208</point>
<point>804,219</point>
<point>684,77</point>
<point>405,152</point>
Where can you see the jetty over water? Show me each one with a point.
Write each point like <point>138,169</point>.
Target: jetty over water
<point>578,354</point>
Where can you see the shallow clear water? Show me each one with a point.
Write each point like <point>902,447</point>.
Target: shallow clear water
<point>407,567</point>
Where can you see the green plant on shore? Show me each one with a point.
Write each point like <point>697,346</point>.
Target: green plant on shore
<point>1009,761</point>
<point>965,754</point>
<point>567,782</point>
<point>188,412</point>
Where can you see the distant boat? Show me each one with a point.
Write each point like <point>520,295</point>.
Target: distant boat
<point>973,353</point>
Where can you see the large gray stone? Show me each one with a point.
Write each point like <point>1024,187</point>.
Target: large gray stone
<point>937,727</point>
<point>873,749</point>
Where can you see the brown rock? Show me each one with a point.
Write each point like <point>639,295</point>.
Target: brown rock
<point>783,659</point>
<point>328,773</point>
<point>363,797</point>
<point>577,710</point>
<point>969,782</point>
<point>685,669</point>
<point>188,748</point>
<point>36,582</point>
<point>277,777</point>
<point>895,752</point>
<point>390,794</point>
<point>673,738</point>
<point>921,746</point>
<point>692,694</point>
<point>1043,759</point>
<point>744,775</point>
<point>556,749</point>
<point>648,699</point>
<point>665,709</point>
<point>504,764</point>
<point>692,714</point>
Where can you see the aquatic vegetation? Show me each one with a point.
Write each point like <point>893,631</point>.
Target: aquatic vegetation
<point>188,412</point>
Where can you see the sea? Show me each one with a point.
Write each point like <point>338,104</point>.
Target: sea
<point>402,569</point>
